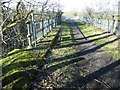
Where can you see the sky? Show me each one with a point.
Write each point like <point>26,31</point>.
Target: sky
<point>80,5</point>
<point>70,5</point>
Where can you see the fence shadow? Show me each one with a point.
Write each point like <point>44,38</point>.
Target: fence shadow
<point>22,50</point>
<point>78,56</point>
<point>20,74</point>
<point>80,29</point>
<point>84,38</point>
<point>87,51</point>
<point>83,81</point>
<point>63,64</point>
<point>21,68</point>
<point>83,42</point>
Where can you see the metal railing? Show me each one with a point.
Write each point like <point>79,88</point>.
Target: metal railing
<point>111,25</point>
<point>36,28</point>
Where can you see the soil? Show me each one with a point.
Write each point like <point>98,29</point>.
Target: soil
<point>88,68</point>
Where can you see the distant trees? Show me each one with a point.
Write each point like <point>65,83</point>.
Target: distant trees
<point>75,13</point>
<point>108,10</point>
<point>102,9</point>
<point>89,11</point>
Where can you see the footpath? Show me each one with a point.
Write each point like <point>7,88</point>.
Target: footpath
<point>87,67</point>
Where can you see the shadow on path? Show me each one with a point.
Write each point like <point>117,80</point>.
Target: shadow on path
<point>95,75</point>
<point>83,38</point>
<point>74,24</point>
<point>78,57</point>
<point>84,52</point>
<point>83,42</point>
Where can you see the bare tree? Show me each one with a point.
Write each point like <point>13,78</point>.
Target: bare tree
<point>8,12</point>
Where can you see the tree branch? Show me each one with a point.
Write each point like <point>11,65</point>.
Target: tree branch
<point>16,22</point>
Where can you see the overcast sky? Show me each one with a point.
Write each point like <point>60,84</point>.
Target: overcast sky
<point>70,5</point>
<point>79,5</point>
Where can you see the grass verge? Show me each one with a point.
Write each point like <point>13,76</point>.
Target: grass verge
<point>20,67</point>
<point>102,37</point>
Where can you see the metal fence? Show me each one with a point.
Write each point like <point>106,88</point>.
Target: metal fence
<point>36,28</point>
<point>105,24</point>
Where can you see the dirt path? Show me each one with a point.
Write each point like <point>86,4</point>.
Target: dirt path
<point>99,68</point>
<point>88,67</point>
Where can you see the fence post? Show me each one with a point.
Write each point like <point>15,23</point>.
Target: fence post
<point>34,30</point>
<point>52,22</point>
<point>108,25</point>
<point>56,18</point>
<point>48,25</point>
<point>29,35</point>
<point>42,27</point>
<point>113,24</point>
<point>49,22</point>
<point>116,27</point>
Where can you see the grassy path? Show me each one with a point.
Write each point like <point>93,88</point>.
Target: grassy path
<point>77,61</point>
<point>79,56</point>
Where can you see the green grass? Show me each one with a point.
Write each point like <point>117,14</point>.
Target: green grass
<point>66,39</point>
<point>20,67</point>
<point>16,69</point>
<point>66,35</point>
<point>111,48</point>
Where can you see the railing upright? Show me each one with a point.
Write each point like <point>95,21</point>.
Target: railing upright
<point>34,30</point>
<point>29,35</point>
